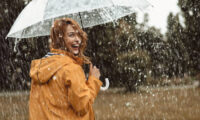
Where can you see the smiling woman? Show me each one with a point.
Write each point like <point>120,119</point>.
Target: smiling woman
<point>59,89</point>
<point>67,35</point>
<point>72,39</point>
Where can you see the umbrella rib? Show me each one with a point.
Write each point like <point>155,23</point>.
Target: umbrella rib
<point>81,20</point>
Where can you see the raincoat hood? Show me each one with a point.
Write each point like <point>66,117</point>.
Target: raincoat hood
<point>42,70</point>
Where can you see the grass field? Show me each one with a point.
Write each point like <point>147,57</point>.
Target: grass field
<point>153,104</point>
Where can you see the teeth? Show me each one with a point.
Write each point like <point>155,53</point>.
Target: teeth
<point>75,45</point>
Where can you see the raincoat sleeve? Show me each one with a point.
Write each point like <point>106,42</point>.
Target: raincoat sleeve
<point>81,93</point>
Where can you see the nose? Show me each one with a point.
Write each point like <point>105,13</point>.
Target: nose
<point>78,39</point>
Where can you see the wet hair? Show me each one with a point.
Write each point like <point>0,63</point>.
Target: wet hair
<point>57,36</point>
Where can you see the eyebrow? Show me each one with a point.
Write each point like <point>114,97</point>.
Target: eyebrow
<point>70,32</point>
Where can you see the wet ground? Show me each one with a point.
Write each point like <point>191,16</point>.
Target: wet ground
<point>151,104</point>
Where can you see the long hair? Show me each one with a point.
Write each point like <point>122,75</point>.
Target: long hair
<point>57,34</point>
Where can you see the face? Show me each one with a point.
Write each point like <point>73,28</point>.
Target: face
<point>72,40</point>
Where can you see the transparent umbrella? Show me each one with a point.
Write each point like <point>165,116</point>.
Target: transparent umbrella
<point>37,17</point>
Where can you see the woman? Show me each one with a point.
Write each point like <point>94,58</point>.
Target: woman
<point>59,89</point>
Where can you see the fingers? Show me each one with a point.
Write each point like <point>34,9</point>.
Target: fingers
<point>94,71</point>
<point>91,66</point>
<point>95,68</point>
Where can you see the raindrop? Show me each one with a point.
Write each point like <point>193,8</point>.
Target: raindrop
<point>6,10</point>
<point>19,70</point>
<point>26,2</point>
<point>16,43</point>
<point>54,77</point>
<point>24,47</point>
<point>128,104</point>
<point>85,16</point>
<point>16,60</point>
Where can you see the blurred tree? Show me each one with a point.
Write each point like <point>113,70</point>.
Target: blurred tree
<point>190,10</point>
<point>128,52</point>
<point>178,63</point>
<point>117,52</point>
<point>102,50</point>
<point>16,54</point>
<point>133,61</point>
<point>151,40</point>
<point>133,68</point>
<point>9,10</point>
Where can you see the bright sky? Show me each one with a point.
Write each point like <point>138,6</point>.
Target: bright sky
<point>158,14</point>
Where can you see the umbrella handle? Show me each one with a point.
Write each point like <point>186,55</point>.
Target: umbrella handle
<point>106,86</point>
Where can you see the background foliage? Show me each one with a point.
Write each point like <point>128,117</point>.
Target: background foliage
<point>129,53</point>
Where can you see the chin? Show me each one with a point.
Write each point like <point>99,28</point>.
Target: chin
<point>75,53</point>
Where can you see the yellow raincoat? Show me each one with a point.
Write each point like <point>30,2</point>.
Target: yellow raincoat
<point>59,89</point>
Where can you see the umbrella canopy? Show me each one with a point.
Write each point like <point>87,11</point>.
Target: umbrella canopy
<point>37,17</point>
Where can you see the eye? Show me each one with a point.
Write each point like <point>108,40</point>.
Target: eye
<point>71,34</point>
